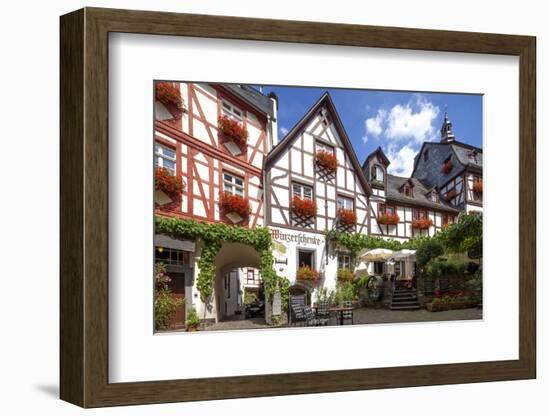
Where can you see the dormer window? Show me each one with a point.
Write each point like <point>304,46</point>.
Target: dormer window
<point>447,166</point>
<point>434,197</point>
<point>377,173</point>
<point>407,190</point>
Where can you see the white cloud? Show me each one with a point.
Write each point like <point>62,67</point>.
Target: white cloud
<point>412,121</point>
<point>373,125</point>
<point>283,131</point>
<point>401,159</point>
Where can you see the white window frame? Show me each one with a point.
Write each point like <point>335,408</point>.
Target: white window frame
<point>344,261</point>
<point>343,202</point>
<point>161,156</point>
<point>232,111</point>
<point>299,190</point>
<point>230,184</point>
<point>320,146</point>
<point>379,173</point>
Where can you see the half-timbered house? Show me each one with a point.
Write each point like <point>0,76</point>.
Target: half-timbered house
<point>314,183</point>
<point>213,137</point>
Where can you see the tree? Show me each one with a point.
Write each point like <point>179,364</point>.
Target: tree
<point>466,235</point>
<point>428,249</point>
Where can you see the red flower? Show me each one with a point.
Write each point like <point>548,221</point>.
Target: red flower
<point>307,273</point>
<point>327,160</point>
<point>305,207</point>
<point>168,93</point>
<point>168,183</point>
<point>422,224</point>
<point>234,203</point>
<point>388,219</point>
<point>478,186</point>
<point>451,194</point>
<point>233,130</point>
<point>347,216</point>
<point>447,167</point>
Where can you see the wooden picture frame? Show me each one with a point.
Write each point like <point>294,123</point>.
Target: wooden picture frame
<point>84,207</point>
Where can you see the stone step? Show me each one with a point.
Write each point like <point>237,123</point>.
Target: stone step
<point>403,308</point>
<point>411,303</point>
<point>404,295</point>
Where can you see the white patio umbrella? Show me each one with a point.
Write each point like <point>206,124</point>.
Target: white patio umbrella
<point>377,254</point>
<point>404,254</point>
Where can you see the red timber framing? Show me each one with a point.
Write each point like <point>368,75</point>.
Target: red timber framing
<point>202,190</point>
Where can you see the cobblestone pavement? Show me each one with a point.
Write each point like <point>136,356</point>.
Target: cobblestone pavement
<point>366,316</point>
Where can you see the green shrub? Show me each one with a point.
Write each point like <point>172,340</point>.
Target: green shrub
<point>192,317</point>
<point>165,307</point>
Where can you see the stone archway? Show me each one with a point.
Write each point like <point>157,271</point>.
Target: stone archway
<point>231,256</point>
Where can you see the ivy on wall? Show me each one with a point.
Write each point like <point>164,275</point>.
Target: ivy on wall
<point>213,236</point>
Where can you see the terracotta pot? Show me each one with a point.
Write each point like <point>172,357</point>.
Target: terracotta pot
<point>193,328</point>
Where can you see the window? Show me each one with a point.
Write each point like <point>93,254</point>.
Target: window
<point>476,196</point>
<point>306,258</point>
<point>377,173</point>
<point>344,261</point>
<point>378,268</point>
<point>420,214</point>
<point>231,111</point>
<point>233,184</point>
<point>386,209</point>
<point>398,268</point>
<point>302,191</point>
<point>433,196</point>
<point>165,157</point>
<point>448,219</point>
<point>407,190</point>
<point>426,155</point>
<point>345,203</point>
<point>171,256</point>
<point>324,147</point>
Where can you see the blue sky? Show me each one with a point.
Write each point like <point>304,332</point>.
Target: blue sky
<point>397,121</point>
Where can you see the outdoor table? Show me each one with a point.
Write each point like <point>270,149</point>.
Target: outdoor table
<point>340,311</point>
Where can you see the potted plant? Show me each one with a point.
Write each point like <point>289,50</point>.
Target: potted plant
<point>450,195</point>
<point>478,186</point>
<point>235,206</point>
<point>388,219</point>
<point>192,320</point>
<point>307,273</point>
<point>232,130</point>
<point>347,216</point>
<point>326,160</point>
<point>344,275</point>
<point>169,94</point>
<point>168,183</point>
<point>303,207</point>
<point>422,223</point>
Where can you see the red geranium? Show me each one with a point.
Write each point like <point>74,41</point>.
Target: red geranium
<point>447,167</point>
<point>167,182</point>
<point>327,160</point>
<point>233,130</point>
<point>168,93</point>
<point>347,216</point>
<point>388,219</point>
<point>234,203</point>
<point>422,224</point>
<point>305,207</point>
<point>478,186</point>
<point>451,194</point>
<point>307,273</point>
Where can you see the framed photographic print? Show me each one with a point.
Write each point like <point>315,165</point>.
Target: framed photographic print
<point>237,194</point>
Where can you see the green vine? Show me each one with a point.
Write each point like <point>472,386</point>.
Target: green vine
<point>212,236</point>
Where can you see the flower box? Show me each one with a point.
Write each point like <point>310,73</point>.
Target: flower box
<point>168,183</point>
<point>168,94</point>
<point>447,306</point>
<point>303,207</point>
<point>344,275</point>
<point>375,183</point>
<point>326,160</point>
<point>450,195</point>
<point>447,167</point>
<point>234,204</point>
<point>422,224</point>
<point>347,216</point>
<point>478,186</point>
<point>232,130</point>
<point>388,219</point>
<point>307,273</point>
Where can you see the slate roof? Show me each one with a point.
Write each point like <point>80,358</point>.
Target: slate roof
<point>253,97</point>
<point>468,155</point>
<point>419,191</point>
